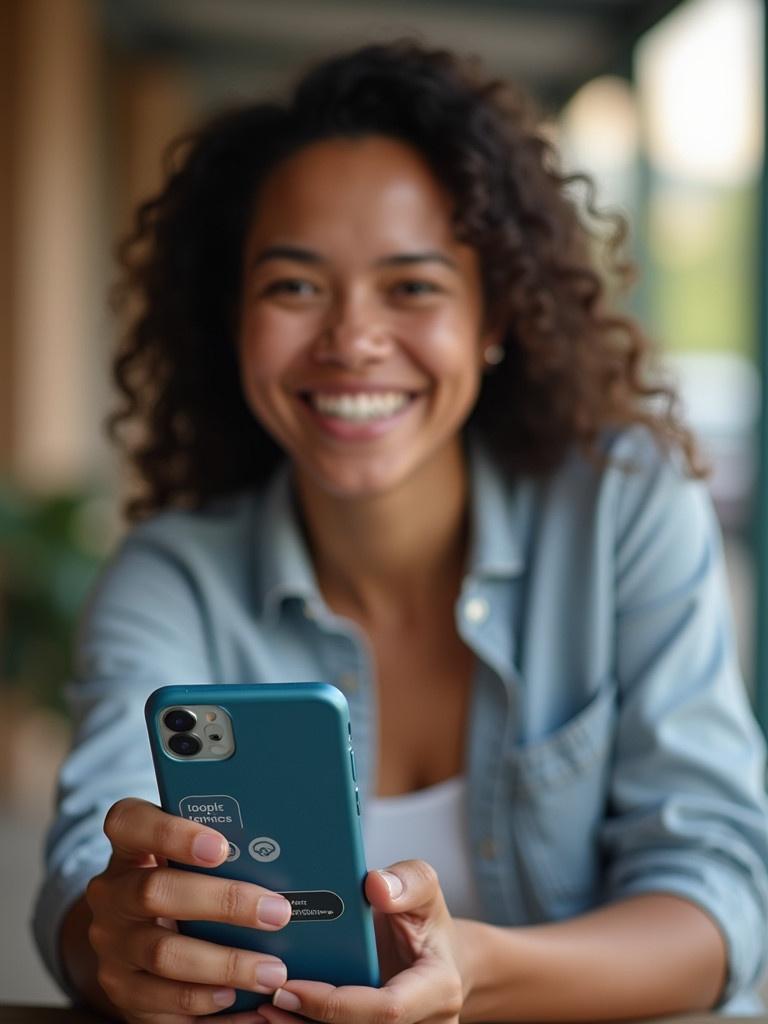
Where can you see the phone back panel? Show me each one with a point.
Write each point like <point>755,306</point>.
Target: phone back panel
<point>288,793</point>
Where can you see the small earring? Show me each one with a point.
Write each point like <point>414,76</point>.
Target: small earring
<point>493,355</point>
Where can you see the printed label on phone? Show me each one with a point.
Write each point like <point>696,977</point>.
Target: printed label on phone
<point>320,905</point>
<point>211,810</point>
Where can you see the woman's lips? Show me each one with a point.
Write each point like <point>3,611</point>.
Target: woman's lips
<point>358,415</point>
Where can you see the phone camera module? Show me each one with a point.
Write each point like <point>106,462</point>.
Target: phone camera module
<point>185,745</point>
<point>179,720</point>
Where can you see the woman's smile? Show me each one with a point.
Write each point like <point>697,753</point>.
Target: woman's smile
<point>358,413</point>
<point>358,406</point>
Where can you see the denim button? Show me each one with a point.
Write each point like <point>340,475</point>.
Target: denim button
<point>476,609</point>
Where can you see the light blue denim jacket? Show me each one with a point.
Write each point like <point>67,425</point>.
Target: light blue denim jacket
<point>610,749</point>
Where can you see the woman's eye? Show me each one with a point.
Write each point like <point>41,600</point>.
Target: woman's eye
<point>291,286</point>
<point>416,288</point>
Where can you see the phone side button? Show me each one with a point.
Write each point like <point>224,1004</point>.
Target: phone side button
<point>352,762</point>
<point>357,801</point>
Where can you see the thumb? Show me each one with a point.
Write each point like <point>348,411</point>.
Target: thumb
<point>409,886</point>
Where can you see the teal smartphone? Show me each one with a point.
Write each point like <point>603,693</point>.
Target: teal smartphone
<point>271,767</point>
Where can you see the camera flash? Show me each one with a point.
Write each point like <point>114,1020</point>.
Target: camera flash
<point>211,716</point>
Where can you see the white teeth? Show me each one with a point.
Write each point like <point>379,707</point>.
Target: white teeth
<point>362,406</point>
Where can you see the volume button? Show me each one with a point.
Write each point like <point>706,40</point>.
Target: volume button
<point>357,801</point>
<point>352,762</point>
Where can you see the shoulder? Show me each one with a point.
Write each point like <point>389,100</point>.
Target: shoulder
<point>637,476</point>
<point>637,512</point>
<point>214,528</point>
<point>173,559</point>
<point>663,528</point>
<point>651,485</point>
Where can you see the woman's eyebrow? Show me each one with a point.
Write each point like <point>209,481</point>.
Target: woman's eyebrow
<point>301,255</point>
<point>288,252</point>
<point>406,258</point>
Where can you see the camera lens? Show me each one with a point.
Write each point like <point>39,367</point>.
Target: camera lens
<point>184,745</point>
<point>179,720</point>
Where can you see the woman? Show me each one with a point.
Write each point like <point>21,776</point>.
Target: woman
<point>392,438</point>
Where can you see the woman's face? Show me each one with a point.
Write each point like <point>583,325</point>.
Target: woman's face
<point>361,317</point>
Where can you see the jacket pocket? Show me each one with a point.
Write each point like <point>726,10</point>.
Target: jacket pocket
<point>559,791</point>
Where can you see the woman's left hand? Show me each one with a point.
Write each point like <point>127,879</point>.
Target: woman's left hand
<point>422,967</point>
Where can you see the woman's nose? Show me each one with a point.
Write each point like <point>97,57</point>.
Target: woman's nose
<point>353,337</point>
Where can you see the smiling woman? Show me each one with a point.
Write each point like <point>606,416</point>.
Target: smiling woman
<point>573,367</point>
<point>392,436</point>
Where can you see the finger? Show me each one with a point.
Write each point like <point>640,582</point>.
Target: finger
<point>348,1004</point>
<point>137,992</point>
<point>189,896</point>
<point>416,994</point>
<point>409,886</point>
<point>182,958</point>
<point>136,827</point>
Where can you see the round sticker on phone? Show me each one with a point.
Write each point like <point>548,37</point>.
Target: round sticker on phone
<point>264,849</point>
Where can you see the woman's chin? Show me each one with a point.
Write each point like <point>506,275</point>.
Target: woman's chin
<point>350,482</point>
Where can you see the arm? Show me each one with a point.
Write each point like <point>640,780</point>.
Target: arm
<point>105,916</point>
<point>684,839</point>
<point>642,957</point>
<point>687,812</point>
<point>141,627</point>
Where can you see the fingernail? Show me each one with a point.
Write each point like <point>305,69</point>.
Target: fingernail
<point>286,1000</point>
<point>394,884</point>
<point>224,996</point>
<point>271,975</point>
<point>273,910</point>
<point>208,848</point>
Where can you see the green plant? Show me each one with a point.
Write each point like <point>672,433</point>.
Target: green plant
<point>50,551</point>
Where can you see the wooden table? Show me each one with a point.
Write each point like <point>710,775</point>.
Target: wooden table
<point>64,1015</point>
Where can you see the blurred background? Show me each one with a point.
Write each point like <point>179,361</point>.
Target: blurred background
<point>661,101</point>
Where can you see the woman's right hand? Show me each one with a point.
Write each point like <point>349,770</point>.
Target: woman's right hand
<point>149,971</point>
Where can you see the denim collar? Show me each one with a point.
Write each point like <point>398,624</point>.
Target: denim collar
<point>498,519</point>
<point>284,570</point>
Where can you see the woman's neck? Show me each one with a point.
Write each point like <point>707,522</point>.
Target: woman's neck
<point>382,558</point>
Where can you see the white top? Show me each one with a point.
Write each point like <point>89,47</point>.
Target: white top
<point>429,824</point>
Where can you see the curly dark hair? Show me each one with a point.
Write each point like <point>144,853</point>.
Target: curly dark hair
<point>572,369</point>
